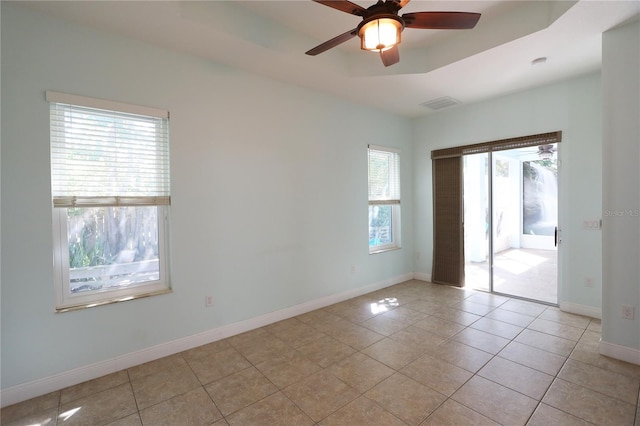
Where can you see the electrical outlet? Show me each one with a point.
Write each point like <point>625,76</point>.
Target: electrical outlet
<point>353,268</point>
<point>208,301</point>
<point>628,312</point>
<point>591,224</point>
<point>588,281</point>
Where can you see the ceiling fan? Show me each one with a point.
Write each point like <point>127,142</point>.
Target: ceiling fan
<point>545,152</point>
<point>381,26</point>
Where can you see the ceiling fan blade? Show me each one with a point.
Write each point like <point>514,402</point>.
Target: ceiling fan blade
<point>441,20</point>
<point>344,6</point>
<point>390,56</point>
<point>333,42</point>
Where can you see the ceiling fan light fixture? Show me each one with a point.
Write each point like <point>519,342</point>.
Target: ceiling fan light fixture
<point>380,33</point>
<point>381,27</point>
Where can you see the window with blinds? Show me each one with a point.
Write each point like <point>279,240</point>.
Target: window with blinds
<point>384,199</point>
<point>110,186</point>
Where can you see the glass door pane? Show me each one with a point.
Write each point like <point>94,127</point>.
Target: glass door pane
<point>540,203</point>
<point>525,213</point>
<point>476,221</point>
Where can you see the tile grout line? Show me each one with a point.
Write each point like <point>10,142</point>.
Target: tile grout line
<point>538,402</point>
<point>449,339</point>
<point>396,371</point>
<point>555,378</point>
<point>493,356</point>
<point>359,323</point>
<point>474,374</point>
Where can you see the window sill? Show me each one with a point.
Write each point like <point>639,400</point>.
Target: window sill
<point>385,249</point>
<point>110,301</point>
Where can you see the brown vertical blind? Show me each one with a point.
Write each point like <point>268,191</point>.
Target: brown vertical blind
<point>448,226</point>
<point>448,236</point>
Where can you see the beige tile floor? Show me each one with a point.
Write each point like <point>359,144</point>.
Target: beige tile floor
<point>412,354</point>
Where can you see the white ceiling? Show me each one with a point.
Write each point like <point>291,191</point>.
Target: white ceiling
<point>270,38</point>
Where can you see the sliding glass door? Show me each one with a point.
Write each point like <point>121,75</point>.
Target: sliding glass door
<point>476,221</point>
<point>510,221</point>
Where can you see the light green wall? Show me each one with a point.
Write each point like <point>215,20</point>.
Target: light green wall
<point>572,106</point>
<point>269,194</point>
<point>621,178</point>
<point>269,191</point>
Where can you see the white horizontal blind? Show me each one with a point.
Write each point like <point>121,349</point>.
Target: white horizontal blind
<point>107,157</point>
<point>384,176</point>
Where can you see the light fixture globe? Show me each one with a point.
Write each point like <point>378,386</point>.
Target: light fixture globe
<point>381,32</point>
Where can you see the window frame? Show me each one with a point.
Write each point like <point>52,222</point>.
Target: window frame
<point>393,202</point>
<point>67,301</point>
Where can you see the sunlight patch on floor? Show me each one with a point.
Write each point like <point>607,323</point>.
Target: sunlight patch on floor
<point>521,272</point>
<point>68,414</point>
<point>383,305</point>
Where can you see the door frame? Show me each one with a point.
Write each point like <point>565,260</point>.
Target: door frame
<point>446,252</point>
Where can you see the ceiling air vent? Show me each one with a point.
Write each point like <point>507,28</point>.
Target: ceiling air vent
<point>440,103</point>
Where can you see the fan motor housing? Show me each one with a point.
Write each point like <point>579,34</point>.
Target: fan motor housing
<point>369,24</point>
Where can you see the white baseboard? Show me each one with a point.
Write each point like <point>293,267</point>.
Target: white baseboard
<point>574,308</point>
<point>421,276</point>
<point>24,391</point>
<point>622,353</point>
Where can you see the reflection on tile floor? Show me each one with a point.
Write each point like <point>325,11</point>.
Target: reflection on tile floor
<point>412,354</point>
